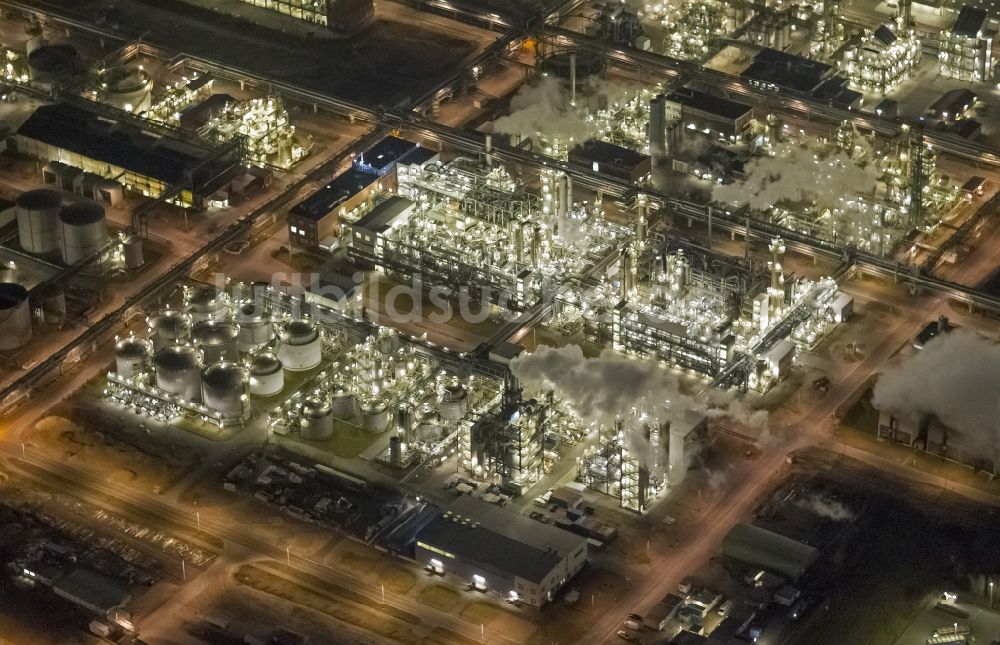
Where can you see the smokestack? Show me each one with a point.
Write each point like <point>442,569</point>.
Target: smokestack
<point>625,273</point>
<point>640,222</point>
<point>489,150</point>
<point>563,207</point>
<point>658,129</point>
<point>776,292</point>
<point>536,246</point>
<point>572,79</point>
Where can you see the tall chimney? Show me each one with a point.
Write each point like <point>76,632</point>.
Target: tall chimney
<point>489,150</point>
<point>658,129</point>
<point>572,79</point>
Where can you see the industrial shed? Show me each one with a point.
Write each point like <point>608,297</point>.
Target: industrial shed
<point>768,550</point>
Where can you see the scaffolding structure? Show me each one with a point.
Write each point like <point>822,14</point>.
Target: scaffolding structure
<point>966,50</point>
<point>883,58</point>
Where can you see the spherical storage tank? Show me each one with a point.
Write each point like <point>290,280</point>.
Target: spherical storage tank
<point>38,220</point>
<point>317,420</point>
<point>15,316</point>
<point>256,327</point>
<point>301,345</point>
<point>266,376</point>
<point>83,231</point>
<point>216,340</point>
<point>374,415</point>
<point>178,371</point>
<point>132,356</point>
<point>223,386</point>
<point>168,327</point>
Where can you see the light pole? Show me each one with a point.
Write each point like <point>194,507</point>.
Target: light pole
<point>184,575</point>
<point>197,517</point>
<point>288,555</point>
<point>383,593</point>
<point>991,594</point>
<point>482,631</point>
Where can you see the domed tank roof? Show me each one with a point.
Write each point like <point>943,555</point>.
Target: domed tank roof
<point>211,332</point>
<point>224,375</point>
<point>204,296</point>
<point>132,347</point>
<point>314,407</point>
<point>454,391</point>
<point>167,319</point>
<point>12,295</point>
<point>250,312</point>
<point>300,332</point>
<point>39,199</point>
<point>124,78</point>
<point>373,406</point>
<point>263,364</point>
<point>177,357</point>
<point>82,214</point>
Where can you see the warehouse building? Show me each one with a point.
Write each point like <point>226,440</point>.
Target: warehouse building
<point>709,114</point>
<point>497,550</point>
<point>316,220</point>
<point>779,71</point>
<point>601,156</point>
<point>92,591</point>
<point>768,550</point>
<point>120,151</point>
<point>966,50</point>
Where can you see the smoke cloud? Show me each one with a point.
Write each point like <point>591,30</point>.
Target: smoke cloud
<point>826,507</point>
<point>955,377</point>
<point>544,108</point>
<point>796,174</point>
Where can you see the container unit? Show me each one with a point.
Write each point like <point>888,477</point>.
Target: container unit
<point>374,415</point>
<point>256,328</point>
<point>301,345</point>
<point>266,376</point>
<point>38,220</point>
<point>206,303</point>
<point>168,327</point>
<point>178,371</point>
<point>83,231</point>
<point>223,389</point>
<point>317,420</point>
<point>216,340</point>
<point>15,316</point>
<point>132,356</point>
<point>343,403</point>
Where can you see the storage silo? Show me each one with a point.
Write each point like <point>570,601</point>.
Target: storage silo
<point>454,401</point>
<point>223,389</point>
<point>374,415</point>
<point>266,376</point>
<point>178,371</point>
<point>395,450</point>
<point>256,327</point>
<point>168,328</point>
<point>343,403</point>
<point>132,356</point>
<point>301,345</point>
<point>126,87</point>
<point>38,220</point>
<point>206,303</point>
<point>317,420</point>
<point>216,340</point>
<point>15,316</point>
<point>133,251</point>
<point>52,62</point>
<point>83,231</point>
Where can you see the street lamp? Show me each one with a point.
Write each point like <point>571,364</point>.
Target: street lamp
<point>991,594</point>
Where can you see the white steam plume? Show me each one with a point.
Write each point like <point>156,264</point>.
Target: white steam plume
<point>955,377</point>
<point>826,507</point>
<point>797,174</point>
<point>544,108</point>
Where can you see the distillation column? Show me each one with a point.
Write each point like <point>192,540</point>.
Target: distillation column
<point>776,292</point>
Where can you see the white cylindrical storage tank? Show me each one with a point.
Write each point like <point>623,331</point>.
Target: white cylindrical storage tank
<point>374,415</point>
<point>454,401</point>
<point>38,220</point>
<point>223,388</point>
<point>207,303</point>
<point>132,356</point>
<point>15,316</point>
<point>256,327</point>
<point>126,87</point>
<point>178,371</point>
<point>317,420</point>
<point>342,402</point>
<point>429,425</point>
<point>8,271</point>
<point>133,251</point>
<point>216,340</point>
<point>168,328</point>
<point>83,231</point>
<point>301,345</point>
<point>266,376</point>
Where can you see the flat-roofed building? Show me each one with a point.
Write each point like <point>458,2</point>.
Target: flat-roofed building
<point>497,550</point>
<point>601,156</point>
<point>318,216</point>
<point>966,50</point>
<point>711,115</point>
<point>363,241</point>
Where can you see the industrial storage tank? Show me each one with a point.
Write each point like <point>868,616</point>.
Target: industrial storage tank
<point>301,345</point>
<point>15,316</point>
<point>126,87</point>
<point>132,356</point>
<point>38,220</point>
<point>343,403</point>
<point>50,299</point>
<point>207,303</point>
<point>49,62</point>
<point>317,420</point>
<point>256,327</point>
<point>83,231</point>
<point>178,371</point>
<point>133,251</point>
<point>266,376</point>
<point>374,415</point>
<point>429,425</point>
<point>395,450</point>
<point>216,340</point>
<point>168,327</point>
<point>454,401</point>
<point>223,388</point>
<point>8,271</point>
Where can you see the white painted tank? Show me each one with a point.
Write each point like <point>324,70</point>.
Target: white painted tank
<point>126,87</point>
<point>374,415</point>
<point>178,371</point>
<point>206,303</point>
<point>168,327</point>
<point>342,402</point>
<point>132,356</point>
<point>223,388</point>
<point>216,340</point>
<point>38,220</point>
<point>133,251</point>
<point>256,327</point>
<point>301,345</point>
<point>317,420</point>
<point>454,401</point>
<point>15,316</point>
<point>83,231</point>
<point>266,376</point>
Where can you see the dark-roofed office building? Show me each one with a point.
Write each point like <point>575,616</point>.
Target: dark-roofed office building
<point>601,156</point>
<point>709,114</point>
<point>140,160</point>
<point>497,550</point>
<point>776,70</point>
<point>966,50</point>
<point>316,218</point>
<point>381,158</point>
